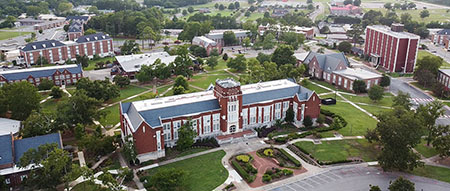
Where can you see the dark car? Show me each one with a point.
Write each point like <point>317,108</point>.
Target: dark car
<point>328,101</point>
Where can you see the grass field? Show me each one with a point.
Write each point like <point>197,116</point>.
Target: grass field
<point>434,172</point>
<point>374,110</point>
<point>315,88</point>
<point>127,92</point>
<point>358,122</point>
<point>11,34</point>
<point>423,53</point>
<point>88,186</point>
<point>92,63</point>
<point>435,14</point>
<point>426,151</point>
<point>112,116</point>
<point>203,173</point>
<point>253,16</point>
<point>204,80</point>
<point>340,150</point>
<point>386,101</point>
<point>222,64</point>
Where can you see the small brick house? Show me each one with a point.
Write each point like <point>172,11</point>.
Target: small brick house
<point>226,109</point>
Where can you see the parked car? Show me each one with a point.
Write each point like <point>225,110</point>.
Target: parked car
<point>328,101</point>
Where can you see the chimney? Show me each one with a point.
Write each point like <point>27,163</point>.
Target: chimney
<point>397,27</point>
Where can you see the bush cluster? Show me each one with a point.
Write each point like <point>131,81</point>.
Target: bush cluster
<point>268,152</point>
<point>290,157</point>
<point>206,142</point>
<point>247,177</point>
<point>243,158</point>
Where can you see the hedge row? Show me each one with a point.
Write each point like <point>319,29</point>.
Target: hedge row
<point>263,131</point>
<point>247,177</point>
<point>207,142</point>
<point>322,162</point>
<point>291,158</point>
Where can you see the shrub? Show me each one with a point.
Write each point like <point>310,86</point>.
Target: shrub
<point>269,172</point>
<point>327,113</point>
<point>241,171</point>
<point>56,92</point>
<point>291,158</point>
<point>268,152</point>
<point>281,139</point>
<point>321,119</point>
<point>307,122</point>
<point>263,131</point>
<point>266,178</point>
<point>243,158</point>
<point>45,84</point>
<point>249,168</point>
<point>287,172</point>
<point>207,142</point>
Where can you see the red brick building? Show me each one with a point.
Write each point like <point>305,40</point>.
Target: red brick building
<point>447,43</point>
<point>76,30</point>
<point>226,109</point>
<point>444,78</point>
<point>207,43</point>
<point>60,75</point>
<point>439,37</point>
<point>391,48</point>
<point>58,52</point>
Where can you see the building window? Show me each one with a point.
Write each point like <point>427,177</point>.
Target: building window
<point>253,115</point>
<point>176,126</point>
<point>345,83</point>
<point>376,81</point>
<point>266,114</point>
<point>368,84</point>
<point>23,177</point>
<point>8,181</point>
<point>216,122</point>
<point>31,80</point>
<point>74,80</point>
<point>245,116</point>
<point>167,132</point>
<point>194,125</point>
<point>339,80</point>
<point>260,114</point>
<point>207,123</point>
<point>79,75</point>
<point>74,75</point>
<point>68,76</point>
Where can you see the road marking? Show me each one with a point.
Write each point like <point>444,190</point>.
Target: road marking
<point>56,32</point>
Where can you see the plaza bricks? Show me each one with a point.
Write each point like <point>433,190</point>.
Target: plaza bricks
<point>265,163</point>
<point>234,135</point>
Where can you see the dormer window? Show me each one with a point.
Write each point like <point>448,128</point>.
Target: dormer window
<point>103,36</point>
<point>34,47</point>
<point>87,39</point>
<point>53,44</point>
<point>95,38</point>
<point>43,45</point>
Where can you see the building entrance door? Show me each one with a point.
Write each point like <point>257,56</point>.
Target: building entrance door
<point>232,128</point>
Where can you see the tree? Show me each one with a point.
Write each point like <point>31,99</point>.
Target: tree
<point>307,122</point>
<point>186,136</point>
<point>268,42</point>
<point>161,70</point>
<point>229,38</point>
<point>402,100</point>
<point>385,81</point>
<point>33,11</point>
<point>56,92</point>
<point>45,84</point>
<point>148,34</point>
<point>214,52</point>
<point>290,115</point>
<point>430,113</point>
<point>212,62</point>
<point>182,65</point>
<point>145,74</point>
<point>441,141</point>
<point>37,124</point>
<point>40,31</point>
<point>231,6</point>
<point>357,2</point>
<point>424,13</point>
<point>191,9</point>
<point>321,50</point>
<point>347,2</point>
<point>345,47</point>
<point>129,47</point>
<point>359,86</point>
<point>168,179</point>
<point>376,93</point>
<point>293,39</point>
<point>221,7</point>
<point>184,12</point>
<point>402,184</point>
<point>82,60</point>
<point>198,51</point>
<point>422,31</point>
<point>64,7</point>
<point>79,108</point>
<point>374,188</point>
<point>399,132</point>
<point>99,89</point>
<point>388,6</point>
<point>430,63</point>
<point>54,162</point>
<point>239,63</point>
<point>309,1</point>
<point>263,57</point>
<point>181,81</point>
<point>216,5</point>
<point>97,144</point>
<point>355,33</point>
<point>42,61</point>
<point>90,31</point>
<point>93,9</point>
<point>236,5</point>
<point>284,54</point>
<point>121,81</point>
<point>21,99</point>
<point>246,42</point>
<point>405,18</point>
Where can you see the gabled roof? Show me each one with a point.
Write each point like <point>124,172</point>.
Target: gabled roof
<point>75,27</point>
<point>6,153</point>
<point>92,37</point>
<point>328,62</point>
<point>444,32</point>
<point>39,45</point>
<point>23,145</point>
<point>8,126</point>
<point>84,18</point>
<point>21,74</point>
<point>257,97</point>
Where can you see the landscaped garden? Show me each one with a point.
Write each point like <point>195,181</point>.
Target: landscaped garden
<point>202,173</point>
<point>243,165</point>
<point>424,150</point>
<point>331,152</point>
<point>434,172</point>
<point>281,157</point>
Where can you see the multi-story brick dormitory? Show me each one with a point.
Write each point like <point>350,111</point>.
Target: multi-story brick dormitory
<point>58,52</point>
<point>60,75</point>
<point>75,31</point>
<point>227,109</point>
<point>392,48</point>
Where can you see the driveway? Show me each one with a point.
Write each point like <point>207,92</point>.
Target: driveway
<point>98,74</point>
<point>351,178</point>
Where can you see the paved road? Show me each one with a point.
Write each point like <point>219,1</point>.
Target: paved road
<point>356,179</point>
<point>54,33</point>
<point>440,51</point>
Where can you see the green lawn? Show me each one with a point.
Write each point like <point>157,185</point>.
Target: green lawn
<point>11,34</point>
<point>51,104</point>
<point>323,83</point>
<point>204,80</point>
<point>92,63</point>
<point>88,186</point>
<point>222,64</point>
<point>253,16</point>
<point>386,101</point>
<point>204,173</point>
<point>316,88</point>
<point>426,151</point>
<point>340,150</point>
<point>112,116</point>
<point>434,172</point>
<point>374,110</point>
<point>127,92</point>
<point>358,122</point>
<point>423,53</point>
<point>435,14</point>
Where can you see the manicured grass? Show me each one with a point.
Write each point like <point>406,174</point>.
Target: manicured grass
<point>435,14</point>
<point>11,34</point>
<point>204,80</point>
<point>424,150</point>
<point>222,64</point>
<point>112,116</point>
<point>51,104</point>
<point>323,83</point>
<point>92,63</point>
<point>386,101</point>
<point>315,88</point>
<point>253,16</point>
<point>225,12</point>
<point>434,172</point>
<point>374,110</point>
<point>423,53</point>
<point>340,150</point>
<point>88,186</point>
<point>421,87</point>
<point>162,89</point>
<point>127,92</point>
<point>358,122</point>
<point>186,152</point>
<point>203,173</point>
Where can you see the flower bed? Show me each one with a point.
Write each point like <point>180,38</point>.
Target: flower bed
<point>281,157</point>
<point>275,174</point>
<point>242,164</point>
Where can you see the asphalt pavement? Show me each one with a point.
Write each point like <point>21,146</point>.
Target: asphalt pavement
<point>357,179</point>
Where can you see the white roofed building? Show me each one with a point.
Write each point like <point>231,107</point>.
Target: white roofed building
<point>131,64</point>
